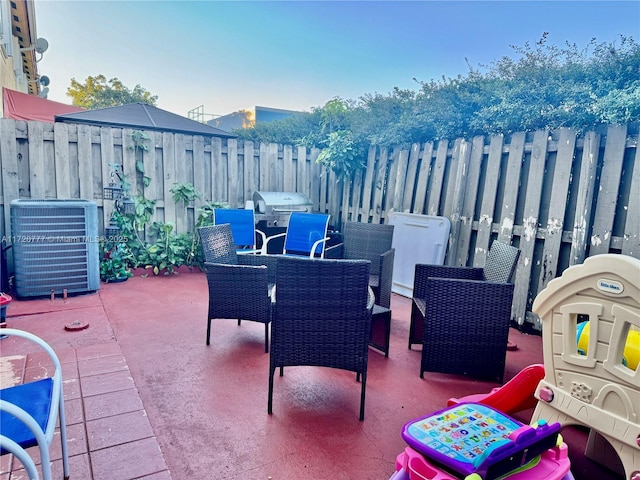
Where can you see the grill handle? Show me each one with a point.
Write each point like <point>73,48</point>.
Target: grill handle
<point>290,210</point>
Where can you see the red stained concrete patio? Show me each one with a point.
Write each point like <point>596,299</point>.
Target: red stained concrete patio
<point>146,398</point>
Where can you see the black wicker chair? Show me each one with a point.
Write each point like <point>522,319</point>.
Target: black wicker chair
<point>461,315</point>
<point>239,285</point>
<point>321,317</point>
<point>370,241</point>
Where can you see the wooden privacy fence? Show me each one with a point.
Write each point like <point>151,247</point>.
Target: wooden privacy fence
<point>559,196</point>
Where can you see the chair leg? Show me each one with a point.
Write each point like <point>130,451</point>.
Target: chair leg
<point>272,371</point>
<point>266,338</point>
<point>239,322</point>
<point>416,327</point>
<point>45,461</point>
<point>362,394</point>
<point>63,439</point>
<point>281,371</point>
<point>208,331</point>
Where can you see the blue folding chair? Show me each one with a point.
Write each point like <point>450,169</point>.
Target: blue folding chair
<point>243,229</point>
<point>29,413</point>
<point>306,234</point>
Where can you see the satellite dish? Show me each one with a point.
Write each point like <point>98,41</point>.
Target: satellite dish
<point>41,45</point>
<point>44,80</point>
<point>44,92</point>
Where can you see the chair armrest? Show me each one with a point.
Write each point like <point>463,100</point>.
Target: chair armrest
<point>334,251</point>
<point>315,245</point>
<point>238,286</point>
<point>21,454</point>
<point>263,236</point>
<point>386,278</point>
<point>424,271</point>
<point>266,240</point>
<point>371,299</point>
<point>270,261</point>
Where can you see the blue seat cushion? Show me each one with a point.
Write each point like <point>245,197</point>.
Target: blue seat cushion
<point>35,399</point>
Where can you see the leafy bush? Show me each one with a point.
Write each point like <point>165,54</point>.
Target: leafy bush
<point>542,86</point>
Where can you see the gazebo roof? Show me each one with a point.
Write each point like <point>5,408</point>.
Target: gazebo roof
<point>144,117</point>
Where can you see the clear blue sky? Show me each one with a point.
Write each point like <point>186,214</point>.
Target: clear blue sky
<point>297,55</point>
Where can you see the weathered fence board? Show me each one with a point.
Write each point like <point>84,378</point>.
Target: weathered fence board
<point>470,199</point>
<point>108,173</point>
<point>584,204</point>
<point>422,180</point>
<point>554,225</point>
<point>608,192</point>
<point>375,213</point>
<point>437,179</point>
<point>85,165</point>
<point>37,173</point>
<point>456,195</point>
<point>537,163</point>
<point>511,187</point>
<point>558,196</point>
<point>236,197</point>
<point>199,167</point>
<point>288,169</point>
<point>631,238</point>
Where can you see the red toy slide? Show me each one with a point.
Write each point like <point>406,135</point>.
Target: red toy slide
<point>514,396</point>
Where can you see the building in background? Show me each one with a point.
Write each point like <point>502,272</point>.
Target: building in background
<point>20,48</point>
<point>248,118</point>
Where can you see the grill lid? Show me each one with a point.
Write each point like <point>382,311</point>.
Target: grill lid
<point>274,203</point>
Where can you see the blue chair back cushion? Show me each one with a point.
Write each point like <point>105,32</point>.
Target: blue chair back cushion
<point>35,399</point>
<point>304,230</point>
<point>242,225</point>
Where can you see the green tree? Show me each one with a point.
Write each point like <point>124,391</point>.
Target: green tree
<point>98,92</point>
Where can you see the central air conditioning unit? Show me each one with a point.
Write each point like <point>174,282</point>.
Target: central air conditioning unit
<point>55,246</point>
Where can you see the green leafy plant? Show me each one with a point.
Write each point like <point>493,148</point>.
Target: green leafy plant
<point>114,266</point>
<point>205,213</point>
<point>169,251</point>
<point>139,138</point>
<point>184,192</point>
<point>342,154</point>
<point>155,245</point>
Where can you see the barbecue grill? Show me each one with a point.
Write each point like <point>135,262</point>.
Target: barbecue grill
<point>272,211</point>
<point>273,208</point>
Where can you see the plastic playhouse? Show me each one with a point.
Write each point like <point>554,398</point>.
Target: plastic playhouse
<point>594,381</point>
<point>591,377</point>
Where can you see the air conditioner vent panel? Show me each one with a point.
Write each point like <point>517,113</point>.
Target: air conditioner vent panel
<point>55,246</point>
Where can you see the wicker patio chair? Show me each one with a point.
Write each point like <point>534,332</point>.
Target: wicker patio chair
<point>239,285</point>
<point>461,315</point>
<point>321,317</point>
<point>371,241</point>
